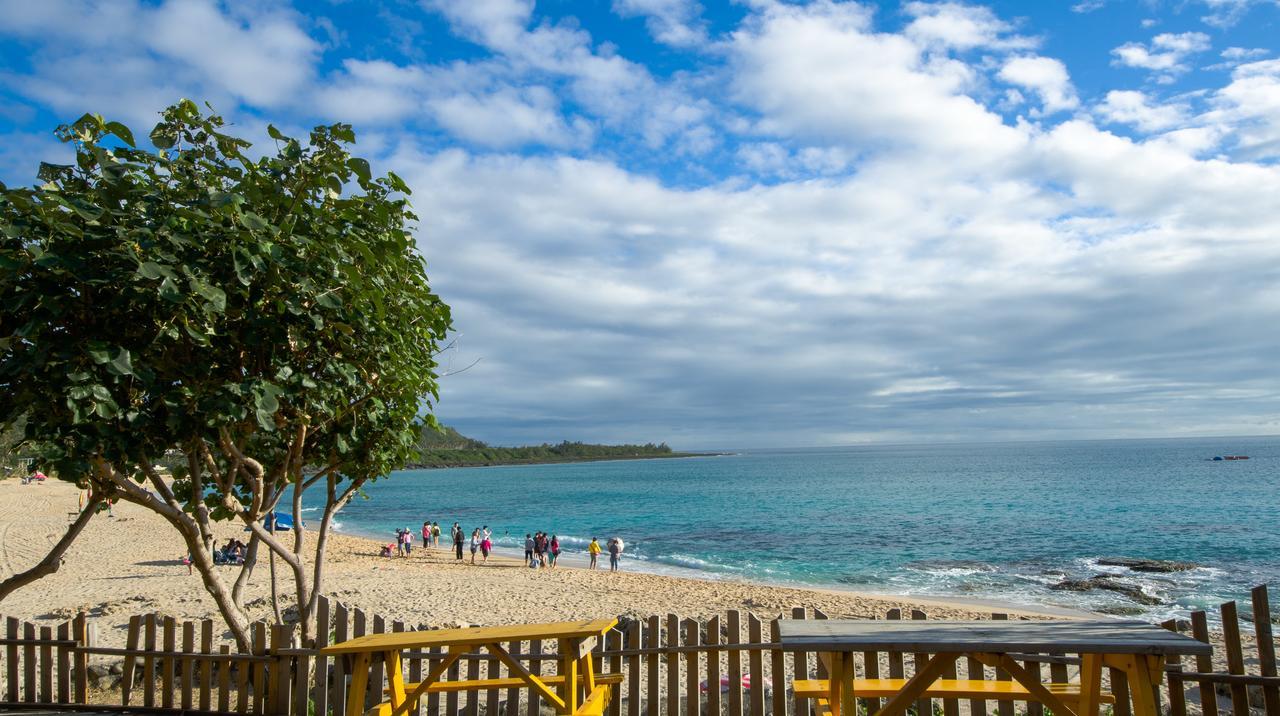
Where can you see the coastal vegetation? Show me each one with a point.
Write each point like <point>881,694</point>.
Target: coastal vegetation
<point>251,314</point>
<point>449,448</point>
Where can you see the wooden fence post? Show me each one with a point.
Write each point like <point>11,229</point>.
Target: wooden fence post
<point>128,668</point>
<point>734,658</point>
<point>46,665</point>
<point>278,686</point>
<point>206,665</point>
<point>64,664</point>
<point>29,662</point>
<point>1235,657</point>
<point>167,671</point>
<point>672,659</point>
<point>11,659</point>
<point>258,669</point>
<point>924,707</point>
<point>188,664</point>
<point>713,666</point>
<point>693,697</point>
<point>1204,664</point>
<point>224,678</point>
<point>777,669</point>
<point>148,661</point>
<point>1266,647</point>
<point>320,689</point>
<point>1005,708</point>
<point>535,668</point>
<point>338,689</point>
<point>755,660</point>
<point>633,668</point>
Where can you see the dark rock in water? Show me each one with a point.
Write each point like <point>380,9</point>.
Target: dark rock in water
<point>1119,610</point>
<point>1148,565</point>
<point>1107,583</point>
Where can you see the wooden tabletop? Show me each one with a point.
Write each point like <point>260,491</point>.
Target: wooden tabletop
<point>1036,637</point>
<point>396,641</point>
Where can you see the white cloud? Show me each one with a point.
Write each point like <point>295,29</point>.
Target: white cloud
<point>1085,6</point>
<point>1225,13</point>
<point>1165,56</point>
<point>671,22</point>
<point>1249,108</point>
<point>1135,108</point>
<point>1045,76</point>
<point>960,26</point>
<point>509,117</point>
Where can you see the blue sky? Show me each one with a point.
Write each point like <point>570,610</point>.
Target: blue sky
<point>770,223</point>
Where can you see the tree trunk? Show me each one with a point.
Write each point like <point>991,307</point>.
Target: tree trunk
<point>53,560</point>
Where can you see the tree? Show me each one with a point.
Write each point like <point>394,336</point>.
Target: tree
<point>267,319</point>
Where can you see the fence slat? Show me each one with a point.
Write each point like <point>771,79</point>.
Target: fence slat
<point>300,675</point>
<point>127,668</point>
<point>713,666</point>
<point>819,665</point>
<point>1177,693</point>
<point>777,669</point>
<point>1266,647</point>
<point>338,689</point>
<point>278,691</point>
<point>473,697</point>
<point>64,664</point>
<point>974,671</point>
<point>535,668</point>
<point>188,665</point>
<point>451,701</point>
<point>513,695</point>
<point>224,679</point>
<point>11,659</point>
<point>1005,708</point>
<point>1235,657</point>
<point>46,665</point>
<point>29,662</point>
<point>634,642</point>
<point>672,638</point>
<point>871,667</point>
<point>693,697</point>
<point>918,660</point>
<point>755,660</point>
<point>169,628</point>
<point>80,680</point>
<point>259,669</point>
<point>320,684</point>
<point>613,643</point>
<point>734,659</point>
<point>654,663</point>
<point>1204,664</point>
<point>1119,687</point>
<point>206,665</point>
<point>374,694</point>
<point>148,661</point>
<point>492,696</point>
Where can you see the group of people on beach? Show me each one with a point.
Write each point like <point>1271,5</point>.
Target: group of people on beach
<point>540,549</point>
<point>481,541</point>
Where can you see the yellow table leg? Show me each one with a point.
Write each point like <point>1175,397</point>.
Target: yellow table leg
<point>834,661</point>
<point>359,683</point>
<point>1090,684</point>
<point>569,670</point>
<point>395,678</point>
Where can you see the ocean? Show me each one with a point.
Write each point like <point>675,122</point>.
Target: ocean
<point>1003,522</point>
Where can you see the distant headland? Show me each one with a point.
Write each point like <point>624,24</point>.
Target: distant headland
<point>450,448</point>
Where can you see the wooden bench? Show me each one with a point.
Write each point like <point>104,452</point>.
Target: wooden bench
<point>817,689</point>
<point>445,687</point>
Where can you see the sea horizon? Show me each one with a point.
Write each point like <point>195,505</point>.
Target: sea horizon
<point>1002,523</point>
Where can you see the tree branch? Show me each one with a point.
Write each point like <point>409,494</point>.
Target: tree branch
<point>53,560</point>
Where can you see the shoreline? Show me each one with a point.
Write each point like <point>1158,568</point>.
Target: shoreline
<point>581,561</point>
<point>132,565</point>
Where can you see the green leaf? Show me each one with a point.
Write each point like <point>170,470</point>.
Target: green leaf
<point>253,222</point>
<point>169,290</point>
<point>152,270</point>
<point>99,355</point>
<point>120,363</point>
<point>360,167</point>
<point>121,131</point>
<point>163,137</point>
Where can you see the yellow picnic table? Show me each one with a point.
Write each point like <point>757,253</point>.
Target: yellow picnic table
<point>1135,648</point>
<point>575,641</point>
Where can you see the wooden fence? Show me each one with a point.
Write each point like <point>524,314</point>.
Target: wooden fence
<point>671,667</point>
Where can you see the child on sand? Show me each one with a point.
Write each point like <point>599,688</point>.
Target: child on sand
<point>593,549</point>
<point>615,553</point>
<point>408,542</point>
<point>426,534</point>
<point>475,543</point>
<point>528,548</point>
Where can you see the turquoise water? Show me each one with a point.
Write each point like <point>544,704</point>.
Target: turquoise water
<point>996,521</point>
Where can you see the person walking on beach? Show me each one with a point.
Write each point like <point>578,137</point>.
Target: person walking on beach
<point>486,543</point>
<point>408,542</point>
<point>435,534</point>
<point>528,548</point>
<point>426,535</point>
<point>615,553</point>
<point>593,549</point>
<point>555,550</point>
<point>475,543</point>
<point>458,538</point>
<point>399,543</point>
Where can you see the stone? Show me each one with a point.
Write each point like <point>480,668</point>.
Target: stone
<point>1147,565</point>
<point>1108,583</point>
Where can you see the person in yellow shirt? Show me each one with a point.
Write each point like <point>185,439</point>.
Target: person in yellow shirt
<point>594,550</point>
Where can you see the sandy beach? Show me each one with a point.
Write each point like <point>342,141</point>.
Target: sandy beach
<point>132,564</point>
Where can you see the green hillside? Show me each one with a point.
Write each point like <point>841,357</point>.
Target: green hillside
<point>449,448</point>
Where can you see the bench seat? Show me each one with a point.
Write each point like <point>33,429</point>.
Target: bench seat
<point>444,687</point>
<point>944,688</point>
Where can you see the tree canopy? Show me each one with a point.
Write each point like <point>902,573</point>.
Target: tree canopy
<point>253,314</point>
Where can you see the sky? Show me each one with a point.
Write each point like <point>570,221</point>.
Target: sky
<point>765,223</point>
